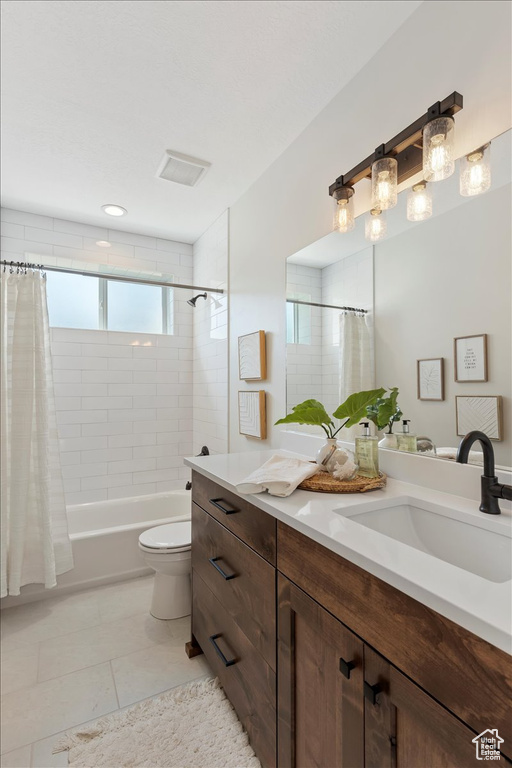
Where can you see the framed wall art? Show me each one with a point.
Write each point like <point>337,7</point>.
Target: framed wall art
<point>252,362</point>
<point>479,412</point>
<point>252,417</point>
<point>470,353</point>
<point>430,375</point>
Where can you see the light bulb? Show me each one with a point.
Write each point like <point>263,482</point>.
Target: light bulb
<point>438,149</point>
<point>344,211</point>
<point>375,225</point>
<point>475,172</point>
<point>114,210</point>
<point>419,202</point>
<point>384,183</point>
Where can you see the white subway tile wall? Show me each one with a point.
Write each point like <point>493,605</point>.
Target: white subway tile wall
<point>124,401</point>
<point>210,348</point>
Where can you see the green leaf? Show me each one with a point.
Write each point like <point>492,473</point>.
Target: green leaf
<point>385,411</point>
<point>354,407</point>
<point>308,412</point>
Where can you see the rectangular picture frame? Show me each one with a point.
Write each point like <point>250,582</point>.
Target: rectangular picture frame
<point>480,412</point>
<point>470,357</point>
<point>430,378</point>
<point>252,417</point>
<point>252,358</point>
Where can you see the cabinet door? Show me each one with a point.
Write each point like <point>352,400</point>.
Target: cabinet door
<point>407,728</point>
<point>320,686</point>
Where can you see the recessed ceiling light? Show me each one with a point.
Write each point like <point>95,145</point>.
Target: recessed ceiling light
<point>103,243</point>
<point>114,210</point>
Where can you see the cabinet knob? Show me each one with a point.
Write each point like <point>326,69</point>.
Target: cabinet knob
<point>228,509</point>
<point>371,692</point>
<point>346,667</point>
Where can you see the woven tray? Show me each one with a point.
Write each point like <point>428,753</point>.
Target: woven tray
<point>323,482</point>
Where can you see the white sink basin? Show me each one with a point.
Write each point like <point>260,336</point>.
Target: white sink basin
<point>482,547</point>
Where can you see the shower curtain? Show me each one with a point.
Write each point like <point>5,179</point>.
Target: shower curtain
<point>357,370</point>
<point>35,545</point>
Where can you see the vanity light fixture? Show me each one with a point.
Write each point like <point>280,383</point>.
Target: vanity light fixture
<point>344,211</point>
<point>419,202</point>
<point>375,225</point>
<point>475,172</point>
<point>426,144</point>
<point>114,210</point>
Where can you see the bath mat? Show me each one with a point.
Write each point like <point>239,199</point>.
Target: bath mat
<point>192,726</point>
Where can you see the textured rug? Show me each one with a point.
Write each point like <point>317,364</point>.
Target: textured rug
<point>193,726</point>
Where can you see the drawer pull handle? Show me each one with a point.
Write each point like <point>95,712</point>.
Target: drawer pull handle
<point>227,576</point>
<point>346,667</point>
<point>371,692</point>
<point>226,662</point>
<point>229,511</point>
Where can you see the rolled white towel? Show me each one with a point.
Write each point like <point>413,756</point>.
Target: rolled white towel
<point>475,457</point>
<point>280,476</point>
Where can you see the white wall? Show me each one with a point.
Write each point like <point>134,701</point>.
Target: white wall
<point>123,400</point>
<point>424,299</point>
<point>442,47</point>
<point>210,366</point>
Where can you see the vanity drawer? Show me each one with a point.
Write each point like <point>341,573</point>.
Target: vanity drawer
<point>252,525</point>
<point>243,581</point>
<point>249,682</point>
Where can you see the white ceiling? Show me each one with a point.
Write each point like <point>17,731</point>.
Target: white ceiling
<point>94,91</point>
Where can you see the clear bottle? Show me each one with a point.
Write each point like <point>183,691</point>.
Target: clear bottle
<point>367,452</point>
<point>407,441</point>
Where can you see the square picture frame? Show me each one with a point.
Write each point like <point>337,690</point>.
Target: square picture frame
<point>252,359</point>
<point>430,378</point>
<point>480,412</point>
<point>470,356</point>
<point>252,417</point>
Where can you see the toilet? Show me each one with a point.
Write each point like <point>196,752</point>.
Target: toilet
<point>167,549</point>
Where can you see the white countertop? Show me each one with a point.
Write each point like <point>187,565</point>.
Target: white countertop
<point>479,605</point>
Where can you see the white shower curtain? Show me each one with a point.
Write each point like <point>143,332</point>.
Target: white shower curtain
<point>35,545</point>
<point>357,370</point>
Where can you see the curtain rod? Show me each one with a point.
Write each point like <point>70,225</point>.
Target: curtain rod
<point>326,306</point>
<point>105,275</point>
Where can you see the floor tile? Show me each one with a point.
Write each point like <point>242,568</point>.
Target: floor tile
<point>19,668</point>
<point>33,622</point>
<point>78,650</point>
<point>18,758</point>
<point>42,756</point>
<point>116,601</point>
<point>153,670</point>
<point>34,713</point>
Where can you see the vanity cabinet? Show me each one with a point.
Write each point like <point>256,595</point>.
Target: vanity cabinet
<point>325,664</point>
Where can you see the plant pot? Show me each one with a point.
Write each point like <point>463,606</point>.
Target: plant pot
<point>326,453</point>
<point>389,441</point>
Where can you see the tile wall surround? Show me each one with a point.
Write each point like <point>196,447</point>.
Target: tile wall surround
<point>123,400</point>
<point>210,348</point>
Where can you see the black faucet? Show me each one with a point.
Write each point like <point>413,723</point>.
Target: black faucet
<point>492,490</point>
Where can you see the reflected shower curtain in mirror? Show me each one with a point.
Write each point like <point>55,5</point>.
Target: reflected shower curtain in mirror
<point>357,370</point>
<point>35,545</point>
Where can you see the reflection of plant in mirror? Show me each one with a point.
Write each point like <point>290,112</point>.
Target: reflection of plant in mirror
<point>385,411</point>
<point>352,410</point>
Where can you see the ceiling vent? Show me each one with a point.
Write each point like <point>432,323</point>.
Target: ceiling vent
<point>182,169</point>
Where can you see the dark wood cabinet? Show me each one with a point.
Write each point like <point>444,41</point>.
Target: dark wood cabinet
<point>326,665</point>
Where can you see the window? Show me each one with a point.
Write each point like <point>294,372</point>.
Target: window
<point>75,301</point>
<point>298,321</point>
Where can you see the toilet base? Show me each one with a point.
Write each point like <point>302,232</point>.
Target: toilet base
<point>172,596</point>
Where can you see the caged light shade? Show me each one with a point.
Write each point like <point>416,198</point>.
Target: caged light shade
<point>419,202</point>
<point>375,225</point>
<point>384,183</point>
<point>475,172</point>
<point>344,210</point>
<point>438,149</point>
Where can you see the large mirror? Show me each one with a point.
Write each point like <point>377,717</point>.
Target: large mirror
<point>423,286</point>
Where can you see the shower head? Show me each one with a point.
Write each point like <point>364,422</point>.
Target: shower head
<point>192,302</point>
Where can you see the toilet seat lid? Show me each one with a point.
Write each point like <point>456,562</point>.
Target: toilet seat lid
<point>170,536</point>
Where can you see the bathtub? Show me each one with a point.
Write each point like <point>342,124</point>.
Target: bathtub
<point>105,537</point>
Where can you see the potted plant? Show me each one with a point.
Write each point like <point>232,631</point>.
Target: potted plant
<point>384,412</point>
<point>312,412</point>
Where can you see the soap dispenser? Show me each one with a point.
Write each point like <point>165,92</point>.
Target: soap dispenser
<point>367,452</point>
<point>407,441</point>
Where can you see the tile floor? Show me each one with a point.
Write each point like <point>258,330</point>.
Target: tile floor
<point>71,659</point>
